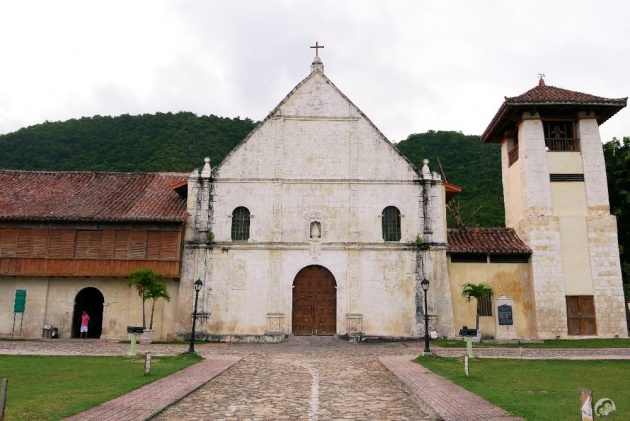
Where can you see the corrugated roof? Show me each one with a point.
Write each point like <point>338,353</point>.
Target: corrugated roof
<point>91,196</point>
<point>543,96</point>
<point>486,240</point>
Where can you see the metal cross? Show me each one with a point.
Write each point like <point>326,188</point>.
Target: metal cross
<point>541,75</point>
<point>317,47</point>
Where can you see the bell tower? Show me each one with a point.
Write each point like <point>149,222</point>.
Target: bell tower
<point>556,198</point>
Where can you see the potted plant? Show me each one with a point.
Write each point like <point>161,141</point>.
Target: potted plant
<point>477,291</point>
<point>150,286</point>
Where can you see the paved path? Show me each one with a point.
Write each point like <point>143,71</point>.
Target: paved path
<point>143,403</point>
<point>304,378</point>
<point>442,397</point>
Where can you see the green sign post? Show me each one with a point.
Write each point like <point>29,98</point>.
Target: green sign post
<point>18,307</point>
<point>20,301</point>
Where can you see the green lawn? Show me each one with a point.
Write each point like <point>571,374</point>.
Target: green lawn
<point>553,343</point>
<point>54,387</point>
<point>539,390</point>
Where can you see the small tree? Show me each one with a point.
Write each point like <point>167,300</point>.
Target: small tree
<point>477,291</point>
<point>155,292</point>
<point>145,281</point>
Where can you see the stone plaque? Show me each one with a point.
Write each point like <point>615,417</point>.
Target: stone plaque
<point>505,315</point>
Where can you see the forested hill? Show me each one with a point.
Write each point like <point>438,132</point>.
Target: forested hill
<point>149,142</point>
<point>179,142</point>
<point>467,163</point>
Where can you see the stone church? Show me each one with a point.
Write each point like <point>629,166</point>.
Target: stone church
<point>315,224</point>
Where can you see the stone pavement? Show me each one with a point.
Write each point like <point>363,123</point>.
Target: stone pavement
<point>303,378</point>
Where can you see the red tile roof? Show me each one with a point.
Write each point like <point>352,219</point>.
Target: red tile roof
<point>543,96</point>
<point>486,240</point>
<point>90,196</point>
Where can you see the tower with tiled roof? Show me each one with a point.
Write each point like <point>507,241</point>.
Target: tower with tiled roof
<point>556,198</point>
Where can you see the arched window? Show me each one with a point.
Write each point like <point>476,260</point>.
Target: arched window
<point>240,224</point>
<point>391,224</point>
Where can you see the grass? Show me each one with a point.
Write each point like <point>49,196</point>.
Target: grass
<point>54,387</point>
<point>553,343</point>
<point>539,390</point>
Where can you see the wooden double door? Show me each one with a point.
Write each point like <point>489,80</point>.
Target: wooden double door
<point>581,315</point>
<point>314,302</point>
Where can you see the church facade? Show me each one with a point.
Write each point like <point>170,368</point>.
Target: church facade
<point>314,219</point>
<point>315,224</point>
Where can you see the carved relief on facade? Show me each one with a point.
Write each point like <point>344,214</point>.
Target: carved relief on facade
<point>238,275</point>
<point>277,212</point>
<point>354,323</point>
<point>353,279</point>
<point>274,322</point>
<point>354,226</point>
<point>274,279</point>
<point>391,276</point>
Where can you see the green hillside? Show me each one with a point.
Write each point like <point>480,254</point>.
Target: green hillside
<point>467,163</point>
<point>149,142</point>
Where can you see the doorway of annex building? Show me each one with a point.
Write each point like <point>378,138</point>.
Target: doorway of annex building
<point>314,302</point>
<point>91,300</point>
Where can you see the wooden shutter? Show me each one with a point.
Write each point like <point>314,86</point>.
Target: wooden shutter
<point>24,243</point>
<point>108,244</point>
<point>9,242</point>
<point>154,239</point>
<point>169,245</point>
<point>61,244</point>
<point>83,243</point>
<point>138,244</point>
<point>123,241</point>
<point>40,242</point>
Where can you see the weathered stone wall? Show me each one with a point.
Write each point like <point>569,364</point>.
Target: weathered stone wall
<point>51,301</point>
<point>316,158</point>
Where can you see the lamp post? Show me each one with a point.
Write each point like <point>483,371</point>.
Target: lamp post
<point>198,284</point>
<point>425,287</point>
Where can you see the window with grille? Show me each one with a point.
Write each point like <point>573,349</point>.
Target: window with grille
<point>484,306</point>
<point>391,224</point>
<point>240,224</point>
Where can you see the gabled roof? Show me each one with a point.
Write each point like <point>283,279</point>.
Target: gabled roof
<point>91,196</point>
<point>316,69</point>
<point>544,97</point>
<point>485,240</point>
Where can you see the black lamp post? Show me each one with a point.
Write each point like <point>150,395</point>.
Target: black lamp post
<point>425,287</point>
<point>198,285</point>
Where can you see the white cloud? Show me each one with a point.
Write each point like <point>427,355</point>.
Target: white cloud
<point>409,65</point>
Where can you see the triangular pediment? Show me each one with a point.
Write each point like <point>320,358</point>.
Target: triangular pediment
<point>316,132</point>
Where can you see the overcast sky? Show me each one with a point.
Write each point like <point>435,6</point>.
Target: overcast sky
<point>410,66</point>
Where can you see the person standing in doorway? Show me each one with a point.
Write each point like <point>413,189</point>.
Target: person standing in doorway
<point>85,320</point>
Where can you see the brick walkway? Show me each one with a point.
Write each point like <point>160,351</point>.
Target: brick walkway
<point>439,396</point>
<point>143,403</point>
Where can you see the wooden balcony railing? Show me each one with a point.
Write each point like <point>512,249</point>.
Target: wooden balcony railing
<point>562,145</point>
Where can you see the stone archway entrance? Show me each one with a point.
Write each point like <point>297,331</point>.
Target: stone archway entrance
<point>314,302</point>
<point>91,300</point>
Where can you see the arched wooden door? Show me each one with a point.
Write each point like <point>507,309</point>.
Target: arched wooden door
<point>314,302</point>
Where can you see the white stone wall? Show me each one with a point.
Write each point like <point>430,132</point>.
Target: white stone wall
<point>539,229</point>
<point>315,158</point>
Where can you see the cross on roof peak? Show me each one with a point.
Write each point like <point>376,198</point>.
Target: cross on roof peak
<point>317,47</point>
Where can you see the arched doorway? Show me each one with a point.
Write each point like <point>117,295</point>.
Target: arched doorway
<point>91,300</point>
<point>314,302</point>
